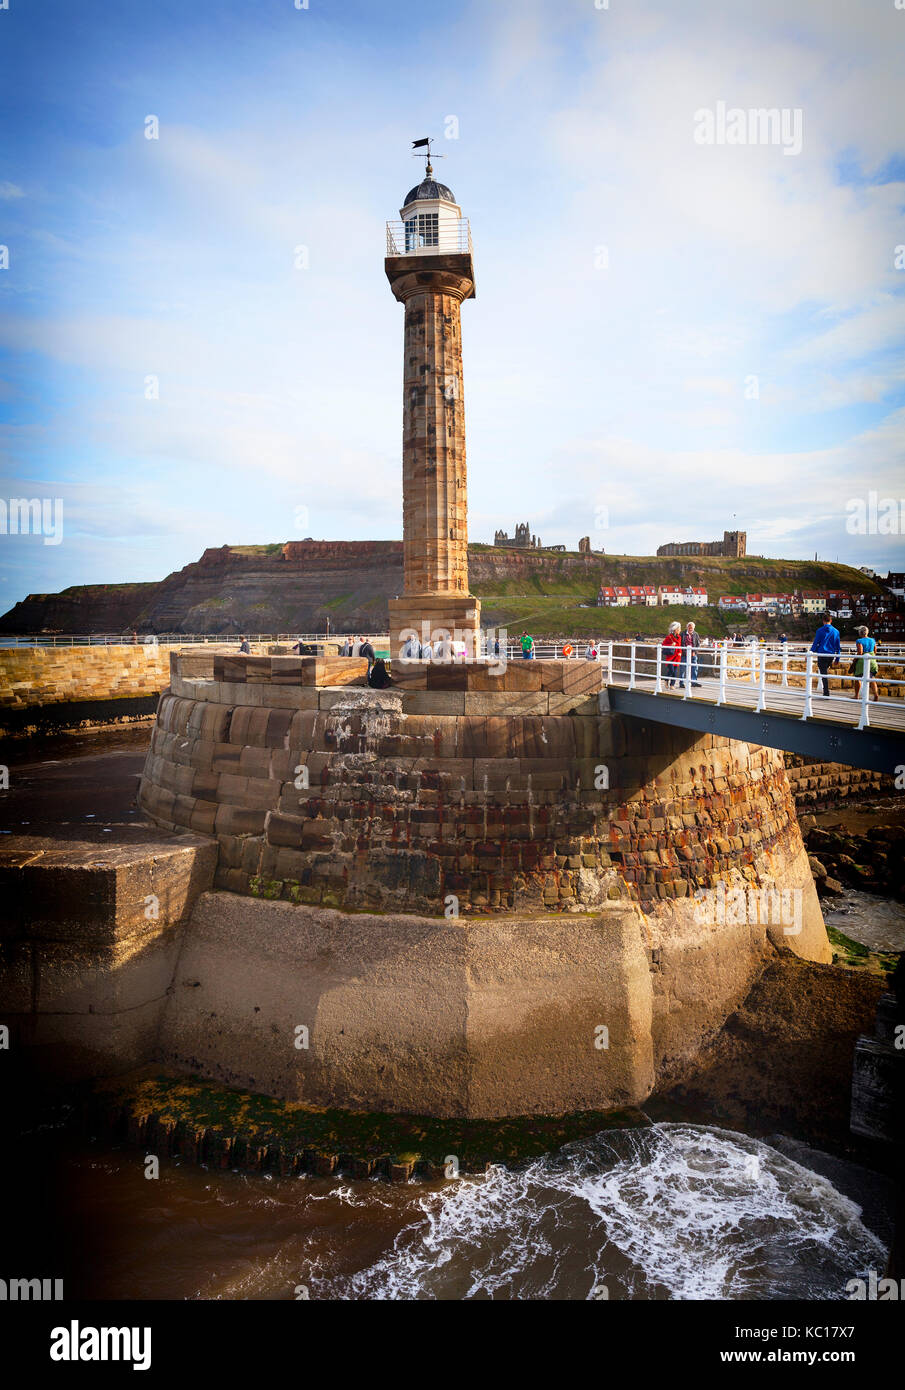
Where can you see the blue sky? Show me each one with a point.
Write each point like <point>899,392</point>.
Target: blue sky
<point>733,358</point>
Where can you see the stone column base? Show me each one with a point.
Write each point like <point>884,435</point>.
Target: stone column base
<point>433,615</point>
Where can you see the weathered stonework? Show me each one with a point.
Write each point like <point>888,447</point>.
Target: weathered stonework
<point>816,785</point>
<point>89,942</point>
<point>394,800</point>
<point>434,479</point>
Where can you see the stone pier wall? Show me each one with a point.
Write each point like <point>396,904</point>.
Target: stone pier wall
<point>816,785</point>
<point>32,677</point>
<point>89,943</point>
<point>398,799</point>
<point>453,882</point>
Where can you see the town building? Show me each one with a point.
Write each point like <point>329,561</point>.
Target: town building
<point>670,595</point>
<point>889,625</point>
<point>734,543</point>
<point>732,603</point>
<point>779,604</point>
<point>610,596</point>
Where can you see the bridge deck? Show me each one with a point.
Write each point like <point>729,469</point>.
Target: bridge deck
<point>742,694</point>
<point>842,727</point>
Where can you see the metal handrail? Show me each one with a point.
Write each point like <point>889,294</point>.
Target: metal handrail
<point>449,236</point>
<point>722,672</point>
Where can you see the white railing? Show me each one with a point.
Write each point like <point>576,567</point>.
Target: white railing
<point>780,678</point>
<point>449,236</point>
<point>164,639</point>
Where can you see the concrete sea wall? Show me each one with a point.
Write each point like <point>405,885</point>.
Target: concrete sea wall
<point>89,943</point>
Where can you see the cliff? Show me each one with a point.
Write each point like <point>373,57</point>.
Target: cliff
<point>299,586</point>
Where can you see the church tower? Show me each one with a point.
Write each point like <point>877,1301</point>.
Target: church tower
<point>430,270</point>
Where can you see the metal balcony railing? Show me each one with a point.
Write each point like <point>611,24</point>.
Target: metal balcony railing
<point>418,237</point>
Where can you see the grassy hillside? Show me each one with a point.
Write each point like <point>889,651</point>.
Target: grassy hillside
<point>552,617</point>
<point>717,574</point>
<point>548,598</point>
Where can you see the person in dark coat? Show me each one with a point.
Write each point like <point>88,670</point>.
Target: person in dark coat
<point>366,649</point>
<point>826,646</point>
<point>379,676</point>
<point>690,643</point>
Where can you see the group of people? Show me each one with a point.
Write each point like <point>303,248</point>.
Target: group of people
<point>680,654</point>
<point>442,650</point>
<point>357,646</point>
<point>680,659</point>
<point>827,647</point>
<point>378,676</point>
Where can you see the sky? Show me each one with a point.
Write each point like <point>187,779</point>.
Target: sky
<point>669,338</point>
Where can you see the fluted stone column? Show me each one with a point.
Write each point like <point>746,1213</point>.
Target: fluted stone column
<point>434,480</point>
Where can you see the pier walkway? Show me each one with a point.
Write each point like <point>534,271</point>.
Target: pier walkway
<point>772,695</point>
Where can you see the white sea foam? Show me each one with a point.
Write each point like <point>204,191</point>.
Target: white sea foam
<point>675,1211</point>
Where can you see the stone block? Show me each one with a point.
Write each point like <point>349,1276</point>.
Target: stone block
<point>98,894</point>
<point>506,702</point>
<point>435,702</point>
<point>484,738</point>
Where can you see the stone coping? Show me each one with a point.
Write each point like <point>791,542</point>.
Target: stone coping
<point>484,675</point>
<point>443,703</point>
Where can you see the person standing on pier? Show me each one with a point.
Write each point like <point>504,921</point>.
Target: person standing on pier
<point>672,644</point>
<point>866,663</point>
<point>366,649</point>
<point>826,645</point>
<point>691,641</point>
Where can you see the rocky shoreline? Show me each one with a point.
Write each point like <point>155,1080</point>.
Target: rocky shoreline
<point>842,856</point>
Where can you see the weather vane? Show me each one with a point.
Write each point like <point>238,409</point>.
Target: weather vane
<point>417,145</point>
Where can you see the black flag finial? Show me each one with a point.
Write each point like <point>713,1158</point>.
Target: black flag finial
<point>419,145</point>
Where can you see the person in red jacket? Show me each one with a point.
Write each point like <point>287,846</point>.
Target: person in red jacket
<point>672,653</point>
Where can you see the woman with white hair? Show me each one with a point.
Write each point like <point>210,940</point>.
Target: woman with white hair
<point>672,654</point>
<point>865,663</point>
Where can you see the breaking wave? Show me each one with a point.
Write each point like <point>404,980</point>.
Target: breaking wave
<point>675,1211</point>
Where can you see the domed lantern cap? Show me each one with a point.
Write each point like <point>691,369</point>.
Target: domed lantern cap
<point>429,188</point>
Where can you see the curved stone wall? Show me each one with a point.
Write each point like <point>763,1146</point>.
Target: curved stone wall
<point>403,807</point>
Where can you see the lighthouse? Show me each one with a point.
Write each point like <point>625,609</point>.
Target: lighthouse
<point>431,272</point>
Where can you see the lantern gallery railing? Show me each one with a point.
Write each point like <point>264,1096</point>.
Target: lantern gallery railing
<point>426,234</point>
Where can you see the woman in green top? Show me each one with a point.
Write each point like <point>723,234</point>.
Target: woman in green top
<point>865,663</point>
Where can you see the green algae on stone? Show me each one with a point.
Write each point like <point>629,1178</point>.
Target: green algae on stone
<point>263,1122</point>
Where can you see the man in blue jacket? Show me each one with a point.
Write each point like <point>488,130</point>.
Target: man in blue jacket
<point>826,644</point>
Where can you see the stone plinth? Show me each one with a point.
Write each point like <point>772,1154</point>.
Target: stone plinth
<point>414,1014</point>
<point>434,617</point>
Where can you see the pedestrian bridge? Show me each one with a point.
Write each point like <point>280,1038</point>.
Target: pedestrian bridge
<point>772,695</point>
